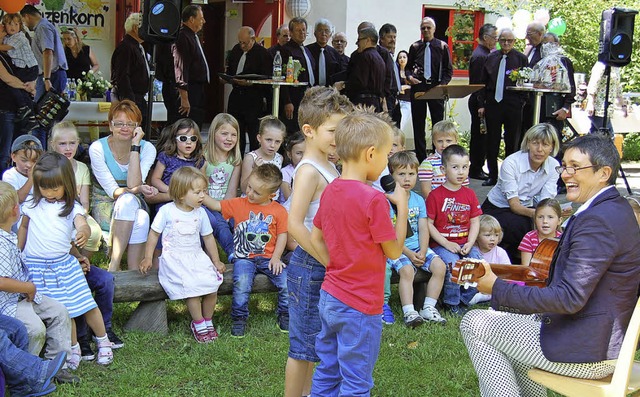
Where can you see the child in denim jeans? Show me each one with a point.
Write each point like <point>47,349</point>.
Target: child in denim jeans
<point>353,235</point>
<point>259,239</point>
<point>454,222</point>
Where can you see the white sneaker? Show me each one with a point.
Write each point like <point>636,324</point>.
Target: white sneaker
<point>430,313</point>
<point>479,298</point>
<point>412,319</point>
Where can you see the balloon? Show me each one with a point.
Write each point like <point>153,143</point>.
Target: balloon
<point>503,23</point>
<point>542,16</point>
<point>557,26</point>
<point>521,18</point>
<point>520,31</point>
<point>11,6</point>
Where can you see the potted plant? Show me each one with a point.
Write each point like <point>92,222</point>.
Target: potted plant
<point>93,86</point>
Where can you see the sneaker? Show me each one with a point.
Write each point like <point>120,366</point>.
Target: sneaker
<point>412,319</point>
<point>479,298</point>
<point>237,329</point>
<point>105,353</point>
<point>86,352</point>
<point>53,368</point>
<point>65,376</point>
<point>431,314</point>
<point>283,323</point>
<point>116,343</point>
<point>73,360</point>
<point>454,310</point>
<point>200,337</point>
<point>387,315</point>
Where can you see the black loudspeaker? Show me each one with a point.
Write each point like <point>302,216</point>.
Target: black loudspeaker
<point>616,36</point>
<point>161,21</point>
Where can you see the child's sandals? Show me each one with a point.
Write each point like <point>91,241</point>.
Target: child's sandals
<point>73,360</point>
<point>105,353</point>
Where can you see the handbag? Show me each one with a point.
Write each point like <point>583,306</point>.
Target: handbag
<point>51,107</point>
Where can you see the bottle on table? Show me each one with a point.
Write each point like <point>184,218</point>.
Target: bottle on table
<point>290,70</point>
<point>277,66</point>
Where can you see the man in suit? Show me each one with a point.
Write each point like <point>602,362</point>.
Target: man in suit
<point>326,58</point>
<point>247,103</point>
<point>583,312</point>
<point>487,39</point>
<point>191,67</point>
<point>501,107</point>
<point>291,96</point>
<point>388,34</point>
<point>366,71</point>
<point>339,42</point>
<point>533,51</point>
<point>282,37</point>
<point>438,71</point>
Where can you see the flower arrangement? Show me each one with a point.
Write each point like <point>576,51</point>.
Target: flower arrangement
<point>520,74</point>
<point>92,85</point>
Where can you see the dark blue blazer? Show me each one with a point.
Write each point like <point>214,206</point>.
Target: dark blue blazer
<point>588,303</point>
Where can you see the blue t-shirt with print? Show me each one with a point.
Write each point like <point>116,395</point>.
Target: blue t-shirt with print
<point>417,210</point>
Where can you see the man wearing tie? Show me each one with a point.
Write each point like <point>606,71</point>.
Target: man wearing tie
<point>498,105</point>
<point>192,70</point>
<point>388,34</point>
<point>247,102</point>
<point>430,63</point>
<point>533,51</point>
<point>291,96</point>
<point>326,58</point>
<point>339,42</point>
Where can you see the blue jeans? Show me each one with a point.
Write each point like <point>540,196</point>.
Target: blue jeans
<point>221,231</point>
<point>348,347</point>
<point>454,294</point>
<point>244,271</point>
<point>597,123</point>
<point>101,284</point>
<point>24,372</point>
<point>304,279</point>
<point>6,138</point>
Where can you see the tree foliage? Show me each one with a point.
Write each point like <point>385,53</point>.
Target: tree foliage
<point>580,41</point>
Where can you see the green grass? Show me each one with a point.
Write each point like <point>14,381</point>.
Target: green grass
<point>429,361</point>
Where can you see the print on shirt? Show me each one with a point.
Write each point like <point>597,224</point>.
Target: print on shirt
<point>217,183</point>
<point>251,236</point>
<point>457,216</point>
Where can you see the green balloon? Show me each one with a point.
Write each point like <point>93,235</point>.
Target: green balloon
<point>557,26</point>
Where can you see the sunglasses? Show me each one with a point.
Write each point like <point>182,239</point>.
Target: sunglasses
<point>264,238</point>
<point>185,138</point>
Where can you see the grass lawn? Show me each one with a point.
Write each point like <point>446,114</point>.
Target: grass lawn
<point>428,361</point>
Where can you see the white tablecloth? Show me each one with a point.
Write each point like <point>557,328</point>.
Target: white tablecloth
<point>88,111</point>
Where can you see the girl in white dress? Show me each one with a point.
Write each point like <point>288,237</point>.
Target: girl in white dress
<point>186,271</point>
<point>44,236</point>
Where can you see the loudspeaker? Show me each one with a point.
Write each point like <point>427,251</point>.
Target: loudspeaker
<point>616,36</point>
<point>161,21</point>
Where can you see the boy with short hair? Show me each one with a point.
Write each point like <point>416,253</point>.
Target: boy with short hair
<point>430,173</point>
<point>320,111</point>
<point>45,318</point>
<point>353,235</point>
<point>259,239</point>
<point>416,252</point>
<point>454,214</point>
<point>25,151</point>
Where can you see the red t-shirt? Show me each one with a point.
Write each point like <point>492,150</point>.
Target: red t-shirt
<point>354,219</point>
<point>257,226</point>
<point>452,211</point>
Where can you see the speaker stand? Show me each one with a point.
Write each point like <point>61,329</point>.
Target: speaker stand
<point>152,78</point>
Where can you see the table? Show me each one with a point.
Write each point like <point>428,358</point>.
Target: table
<point>537,98</point>
<point>276,84</point>
<point>91,112</point>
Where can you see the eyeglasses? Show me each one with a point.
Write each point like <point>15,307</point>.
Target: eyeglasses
<point>425,27</point>
<point>264,238</point>
<point>120,124</point>
<point>184,138</point>
<point>340,41</point>
<point>572,170</point>
<point>507,40</point>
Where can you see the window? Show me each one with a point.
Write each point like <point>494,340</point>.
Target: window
<point>458,28</point>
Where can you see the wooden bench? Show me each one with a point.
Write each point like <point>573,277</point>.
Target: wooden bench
<point>151,313</point>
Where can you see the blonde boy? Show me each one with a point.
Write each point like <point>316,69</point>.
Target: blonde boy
<point>416,252</point>
<point>353,236</point>
<point>320,111</point>
<point>430,172</point>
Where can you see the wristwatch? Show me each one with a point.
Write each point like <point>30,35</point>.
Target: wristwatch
<point>135,148</point>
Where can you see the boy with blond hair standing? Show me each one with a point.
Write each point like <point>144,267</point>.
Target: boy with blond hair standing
<point>352,236</point>
<point>320,111</point>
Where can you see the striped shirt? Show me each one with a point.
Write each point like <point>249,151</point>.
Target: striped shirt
<point>430,171</point>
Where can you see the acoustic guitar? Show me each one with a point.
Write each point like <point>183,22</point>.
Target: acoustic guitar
<point>467,271</point>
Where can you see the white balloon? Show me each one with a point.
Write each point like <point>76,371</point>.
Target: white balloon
<point>542,16</point>
<point>503,23</point>
<point>521,18</point>
<point>520,31</point>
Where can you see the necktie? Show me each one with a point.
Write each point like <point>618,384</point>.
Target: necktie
<point>427,61</point>
<point>312,80</point>
<point>502,70</point>
<point>322,69</point>
<point>204,58</point>
<point>243,59</point>
<point>533,50</point>
<point>146,62</point>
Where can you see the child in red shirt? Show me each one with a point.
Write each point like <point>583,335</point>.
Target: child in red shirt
<point>353,235</point>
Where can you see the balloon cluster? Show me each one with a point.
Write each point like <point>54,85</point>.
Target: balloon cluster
<point>11,6</point>
<point>521,18</point>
